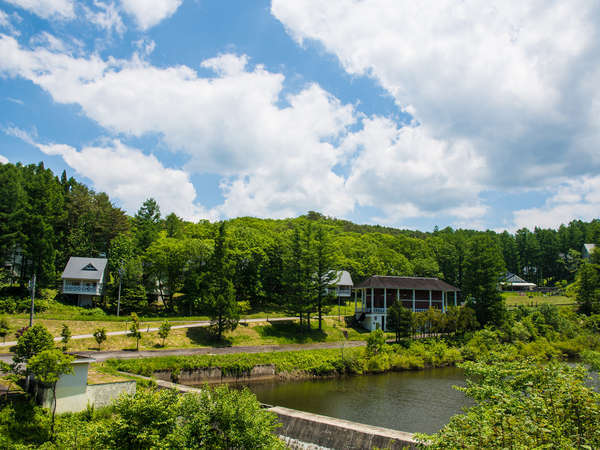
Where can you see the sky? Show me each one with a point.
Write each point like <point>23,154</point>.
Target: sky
<point>471,114</point>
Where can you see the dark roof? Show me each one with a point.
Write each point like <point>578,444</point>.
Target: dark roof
<point>85,268</point>
<point>425,284</point>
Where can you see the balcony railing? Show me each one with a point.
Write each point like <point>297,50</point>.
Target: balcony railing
<point>371,310</point>
<point>75,289</point>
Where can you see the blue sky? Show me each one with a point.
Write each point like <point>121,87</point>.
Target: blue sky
<point>473,114</point>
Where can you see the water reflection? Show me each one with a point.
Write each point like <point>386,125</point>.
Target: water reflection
<point>419,401</point>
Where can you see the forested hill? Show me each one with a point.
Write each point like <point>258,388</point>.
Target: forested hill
<point>49,218</point>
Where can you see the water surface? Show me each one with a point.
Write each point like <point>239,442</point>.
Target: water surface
<point>413,401</point>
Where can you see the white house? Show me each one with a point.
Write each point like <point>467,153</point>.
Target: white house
<point>342,285</point>
<point>587,250</point>
<point>512,282</point>
<point>416,293</point>
<point>84,277</point>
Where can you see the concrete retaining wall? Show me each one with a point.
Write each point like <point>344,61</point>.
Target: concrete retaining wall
<point>101,395</point>
<point>337,433</point>
<point>216,375</point>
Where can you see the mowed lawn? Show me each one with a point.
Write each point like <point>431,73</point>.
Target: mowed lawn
<point>260,333</point>
<point>514,299</point>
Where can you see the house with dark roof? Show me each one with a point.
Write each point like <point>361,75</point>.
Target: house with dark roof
<point>512,282</point>
<point>375,295</point>
<point>84,278</point>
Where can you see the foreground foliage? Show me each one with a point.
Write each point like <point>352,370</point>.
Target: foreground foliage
<point>216,418</point>
<point>523,404</point>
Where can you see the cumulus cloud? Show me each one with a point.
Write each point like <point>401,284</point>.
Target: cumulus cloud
<point>3,159</point>
<point>408,173</point>
<point>61,9</point>
<point>517,79</point>
<point>278,155</point>
<point>129,175</point>
<point>573,199</point>
<point>148,14</point>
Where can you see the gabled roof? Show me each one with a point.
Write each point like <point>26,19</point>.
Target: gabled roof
<point>343,279</point>
<point>515,280</point>
<point>418,283</point>
<point>589,247</point>
<point>85,268</point>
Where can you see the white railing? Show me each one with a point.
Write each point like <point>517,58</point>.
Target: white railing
<point>74,289</point>
<point>370,310</point>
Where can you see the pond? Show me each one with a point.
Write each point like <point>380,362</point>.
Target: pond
<point>412,401</point>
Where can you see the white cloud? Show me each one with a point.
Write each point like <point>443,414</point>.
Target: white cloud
<point>148,14</point>
<point>278,156</point>
<point>128,174</point>
<point>573,199</point>
<point>106,16</point>
<point>6,22</point>
<point>48,41</point>
<point>61,9</point>
<point>410,174</point>
<point>517,79</point>
<point>3,159</point>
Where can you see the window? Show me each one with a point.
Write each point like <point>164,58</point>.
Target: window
<point>90,267</point>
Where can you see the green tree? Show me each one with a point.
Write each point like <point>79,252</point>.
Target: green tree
<point>66,336</point>
<point>223,308</point>
<point>48,366</point>
<point>588,289</point>
<point>375,342</point>
<point>4,328</point>
<point>146,224</point>
<point>483,268</point>
<point>100,337</point>
<point>164,330</point>
<point>134,330</point>
<point>33,341</point>
<point>323,261</point>
<point>400,320</point>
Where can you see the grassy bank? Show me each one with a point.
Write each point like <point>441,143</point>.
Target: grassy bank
<point>535,299</point>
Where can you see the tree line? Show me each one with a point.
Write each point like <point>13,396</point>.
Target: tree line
<point>254,263</point>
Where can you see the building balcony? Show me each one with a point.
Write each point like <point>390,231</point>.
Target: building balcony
<point>370,310</point>
<point>77,289</point>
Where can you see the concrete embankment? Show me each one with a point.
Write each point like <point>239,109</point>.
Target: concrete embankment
<point>216,375</point>
<point>334,433</point>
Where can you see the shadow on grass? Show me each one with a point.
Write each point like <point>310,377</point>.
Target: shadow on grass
<point>202,336</point>
<point>290,332</point>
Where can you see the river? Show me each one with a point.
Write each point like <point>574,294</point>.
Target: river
<point>411,401</point>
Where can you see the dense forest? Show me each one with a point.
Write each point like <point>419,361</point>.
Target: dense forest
<point>45,219</point>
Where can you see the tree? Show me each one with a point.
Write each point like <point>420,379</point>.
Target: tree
<point>375,342</point>
<point>164,331</point>
<point>147,224</point>
<point>588,289</point>
<point>323,262</point>
<point>47,367</point>
<point>400,320</point>
<point>33,341</point>
<point>134,330</point>
<point>483,268</point>
<point>4,328</point>
<point>223,308</point>
<point>100,336</point>
<point>66,336</point>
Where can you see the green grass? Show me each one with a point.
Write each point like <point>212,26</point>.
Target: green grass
<point>536,299</point>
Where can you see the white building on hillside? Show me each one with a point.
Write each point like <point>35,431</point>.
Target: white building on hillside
<point>587,250</point>
<point>341,285</point>
<point>84,277</point>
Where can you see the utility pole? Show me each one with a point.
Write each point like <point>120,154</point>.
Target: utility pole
<point>32,301</point>
<point>119,296</point>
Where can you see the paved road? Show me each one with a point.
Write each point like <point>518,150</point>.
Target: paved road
<point>129,354</point>
<point>203,323</point>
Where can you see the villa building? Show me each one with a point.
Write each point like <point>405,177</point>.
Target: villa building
<point>512,282</point>
<point>373,296</point>
<point>586,251</point>
<point>84,277</point>
<point>341,287</point>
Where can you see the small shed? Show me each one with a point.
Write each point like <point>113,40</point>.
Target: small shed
<point>512,282</point>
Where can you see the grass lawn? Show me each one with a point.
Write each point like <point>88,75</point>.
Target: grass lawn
<point>514,299</point>
<point>96,376</point>
<point>260,333</point>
